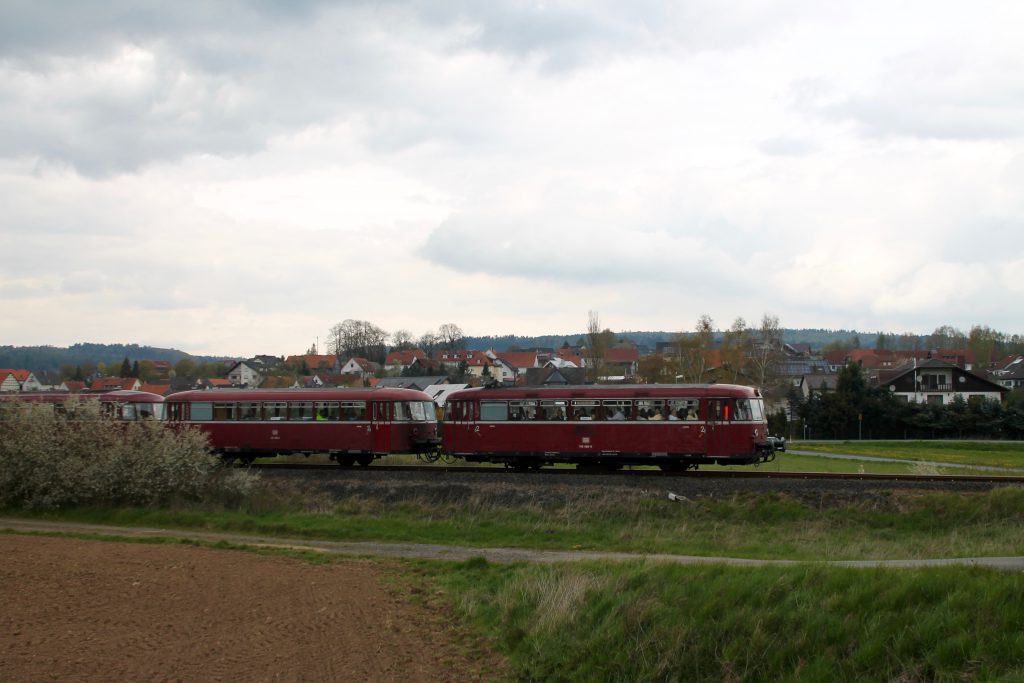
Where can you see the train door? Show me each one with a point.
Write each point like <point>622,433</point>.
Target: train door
<point>461,419</point>
<point>718,426</point>
<point>380,424</point>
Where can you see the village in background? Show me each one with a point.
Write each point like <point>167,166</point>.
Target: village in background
<point>815,382</point>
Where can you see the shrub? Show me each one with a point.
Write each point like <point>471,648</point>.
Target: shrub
<point>78,456</point>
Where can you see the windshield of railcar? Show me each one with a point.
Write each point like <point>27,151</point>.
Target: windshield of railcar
<point>749,409</point>
<point>415,411</point>
<point>140,411</point>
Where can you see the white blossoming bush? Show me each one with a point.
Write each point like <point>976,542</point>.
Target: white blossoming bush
<point>80,457</point>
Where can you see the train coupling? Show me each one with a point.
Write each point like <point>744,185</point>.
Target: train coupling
<point>778,443</point>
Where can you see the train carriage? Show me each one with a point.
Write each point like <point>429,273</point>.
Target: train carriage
<point>123,405</point>
<point>673,426</point>
<point>351,425</point>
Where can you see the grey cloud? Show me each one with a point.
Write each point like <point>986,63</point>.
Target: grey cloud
<point>787,147</point>
<point>573,250</point>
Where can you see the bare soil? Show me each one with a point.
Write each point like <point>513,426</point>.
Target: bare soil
<point>100,611</point>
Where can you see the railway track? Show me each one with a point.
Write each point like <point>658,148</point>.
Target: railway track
<point>647,473</point>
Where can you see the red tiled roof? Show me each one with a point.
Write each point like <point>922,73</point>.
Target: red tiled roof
<point>20,375</point>
<point>626,354</point>
<point>518,359</point>
<point>313,360</point>
<point>405,357</point>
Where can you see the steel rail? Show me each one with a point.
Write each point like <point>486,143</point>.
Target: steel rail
<point>696,474</point>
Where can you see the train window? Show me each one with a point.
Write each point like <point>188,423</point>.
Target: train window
<point>176,412</point>
<point>757,408</point>
<point>403,411</point>
<point>275,410</point>
<point>584,410</point>
<point>429,411</point>
<point>202,411</point>
<point>553,410</point>
<point>618,410</point>
<point>493,411</point>
<point>683,409</point>
<point>248,411</point>
<point>743,411</point>
<point>223,411</point>
<point>128,411</point>
<point>327,410</point>
<point>522,410</point>
<point>651,409</point>
<point>353,410</point>
<point>300,410</point>
<point>381,412</point>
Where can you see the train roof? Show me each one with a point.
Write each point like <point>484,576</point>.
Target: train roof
<point>612,391</point>
<point>326,394</point>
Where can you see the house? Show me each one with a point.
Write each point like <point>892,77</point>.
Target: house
<point>622,361</point>
<point>18,380</point>
<point>115,384</point>
<point>72,385</point>
<point>313,361</point>
<point>551,375</point>
<point>245,374</point>
<point>937,382</point>
<point>399,361</point>
<point>1009,372</point>
<point>440,392</point>
<point>159,388</point>
<point>452,360</point>
<point>418,383</point>
<point>274,382</point>
<point>509,367</point>
<point>360,367</point>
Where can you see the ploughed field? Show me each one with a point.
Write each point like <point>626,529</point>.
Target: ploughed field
<point>100,611</point>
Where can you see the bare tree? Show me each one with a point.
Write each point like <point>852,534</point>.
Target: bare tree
<point>357,338</point>
<point>765,349</point>
<point>451,337</point>
<point>401,340</point>
<point>428,341</point>
<point>597,345</point>
<point>694,351</point>
<point>734,350</point>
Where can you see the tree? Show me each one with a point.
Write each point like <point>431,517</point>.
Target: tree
<point>126,368</point>
<point>765,348</point>
<point>135,369</point>
<point>694,351</point>
<point>982,342</point>
<point>357,338</point>
<point>451,337</point>
<point>186,367</point>
<point>735,343</point>
<point>428,342</point>
<point>401,340</point>
<point>947,337</point>
<point>596,346</point>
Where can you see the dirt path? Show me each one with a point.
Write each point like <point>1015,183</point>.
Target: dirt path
<point>102,611</point>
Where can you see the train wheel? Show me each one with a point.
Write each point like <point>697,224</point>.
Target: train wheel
<point>364,459</point>
<point>346,460</point>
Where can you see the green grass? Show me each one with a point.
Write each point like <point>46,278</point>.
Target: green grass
<point>650,622</point>
<point>870,526</point>
<point>990,453</point>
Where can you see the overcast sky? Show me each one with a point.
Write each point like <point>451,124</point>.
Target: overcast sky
<point>236,177</point>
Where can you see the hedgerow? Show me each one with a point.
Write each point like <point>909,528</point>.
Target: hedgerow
<point>78,456</point>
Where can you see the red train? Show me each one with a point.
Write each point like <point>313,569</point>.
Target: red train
<point>351,425</point>
<point>673,426</point>
<point>122,404</point>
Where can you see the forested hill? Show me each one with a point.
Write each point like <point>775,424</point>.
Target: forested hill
<point>51,358</point>
<point>817,338</point>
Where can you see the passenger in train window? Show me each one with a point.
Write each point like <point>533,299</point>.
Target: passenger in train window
<point>676,415</point>
<point>618,414</point>
<point>691,414</point>
<point>655,415</point>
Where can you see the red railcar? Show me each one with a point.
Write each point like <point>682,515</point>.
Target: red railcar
<point>123,405</point>
<point>673,426</point>
<point>351,425</point>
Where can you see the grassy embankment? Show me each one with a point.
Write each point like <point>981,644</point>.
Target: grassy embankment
<point>651,622</point>
<point>654,622</point>
<point>1008,454</point>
